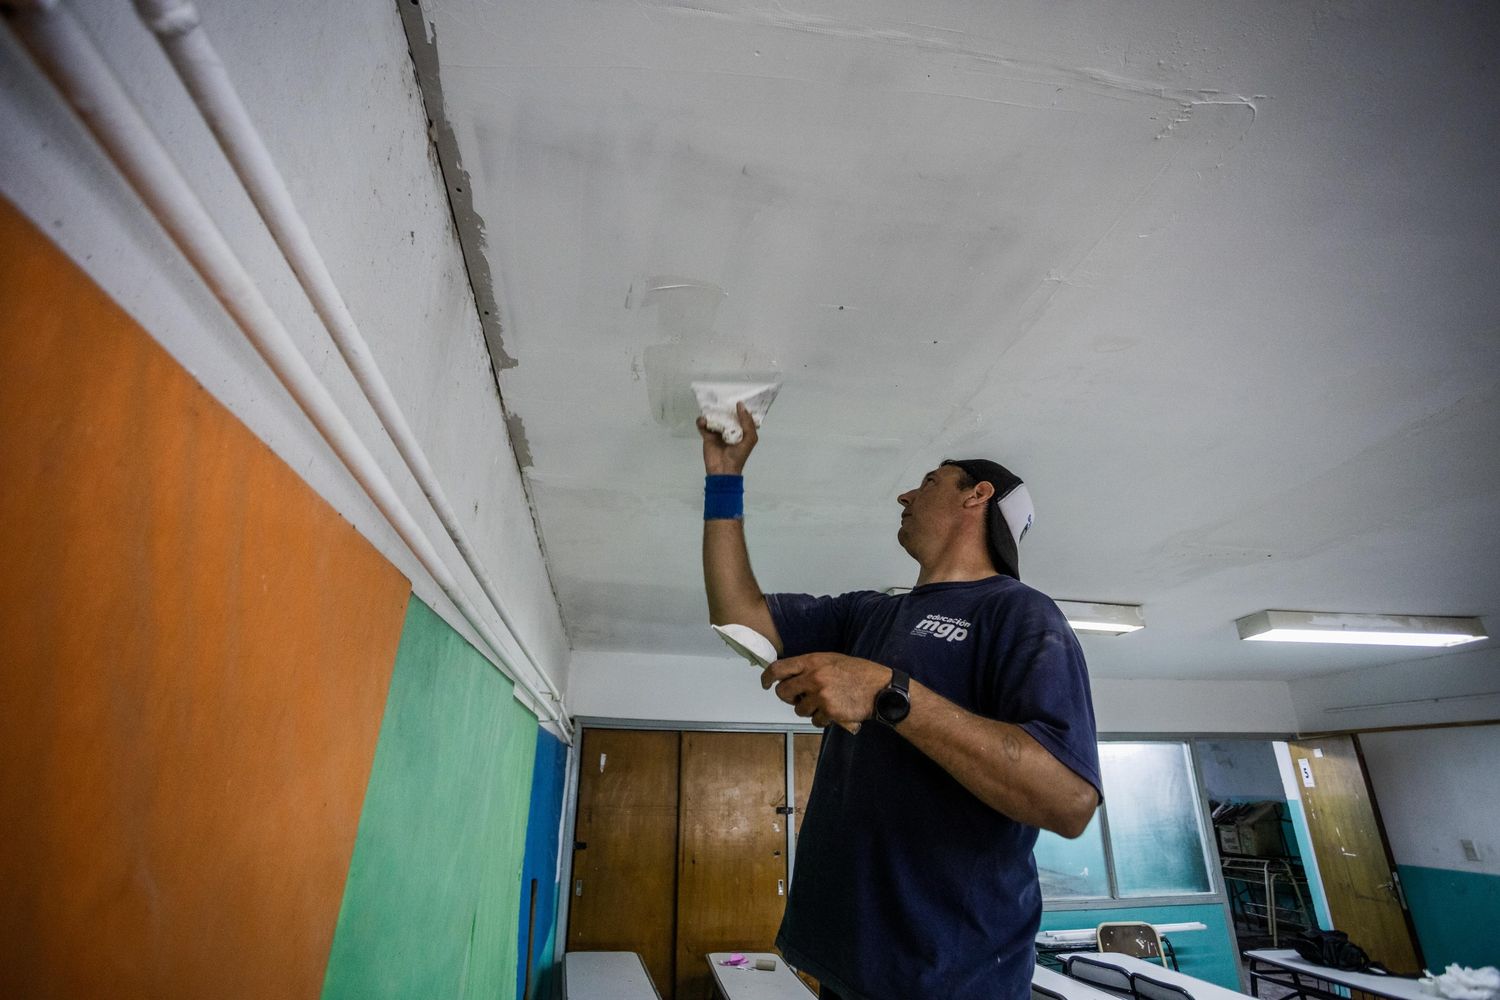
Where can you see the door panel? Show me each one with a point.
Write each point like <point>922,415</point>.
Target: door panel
<point>805,748</point>
<point>625,857</point>
<point>731,864</point>
<point>1352,855</point>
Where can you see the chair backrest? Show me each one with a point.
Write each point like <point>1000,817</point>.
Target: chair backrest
<point>1147,988</point>
<point>1100,974</point>
<point>1042,993</point>
<point>1139,940</point>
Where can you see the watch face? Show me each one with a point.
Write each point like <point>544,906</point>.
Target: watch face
<point>891,706</point>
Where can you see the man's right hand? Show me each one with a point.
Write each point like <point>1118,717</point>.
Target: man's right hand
<point>720,459</point>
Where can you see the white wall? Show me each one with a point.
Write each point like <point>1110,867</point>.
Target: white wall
<point>714,689</point>
<point>331,86</point>
<point>1436,787</point>
<point>1182,706</point>
<point>1447,687</point>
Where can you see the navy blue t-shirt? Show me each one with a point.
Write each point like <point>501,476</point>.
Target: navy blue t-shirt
<point>906,885</point>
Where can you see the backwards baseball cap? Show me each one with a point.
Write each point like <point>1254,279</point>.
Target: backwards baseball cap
<point>1008,515</point>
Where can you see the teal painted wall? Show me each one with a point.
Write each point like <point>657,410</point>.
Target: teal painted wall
<point>431,903</point>
<point>1298,815</point>
<point>1209,954</point>
<point>1456,914</point>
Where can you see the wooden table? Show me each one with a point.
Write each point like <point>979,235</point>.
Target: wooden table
<point>746,982</point>
<point>1287,969</point>
<point>1199,989</point>
<point>606,975</point>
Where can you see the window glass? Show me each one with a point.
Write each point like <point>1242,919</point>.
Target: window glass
<point>1154,826</point>
<point>1072,869</point>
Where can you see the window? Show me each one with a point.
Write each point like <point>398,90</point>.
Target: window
<point>1147,838</point>
<point>1073,869</point>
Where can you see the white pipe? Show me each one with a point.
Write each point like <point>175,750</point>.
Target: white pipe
<point>64,52</point>
<point>178,27</point>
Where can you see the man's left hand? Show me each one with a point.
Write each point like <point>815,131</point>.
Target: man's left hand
<point>829,688</point>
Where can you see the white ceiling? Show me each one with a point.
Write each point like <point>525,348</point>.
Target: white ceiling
<point>1221,282</point>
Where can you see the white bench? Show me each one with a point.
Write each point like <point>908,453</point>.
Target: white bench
<point>746,982</point>
<point>1286,969</point>
<point>606,975</point>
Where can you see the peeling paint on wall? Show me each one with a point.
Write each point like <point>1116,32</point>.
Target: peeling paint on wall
<point>518,442</point>
<point>422,37</point>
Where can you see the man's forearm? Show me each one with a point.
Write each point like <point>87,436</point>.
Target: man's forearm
<point>1000,763</point>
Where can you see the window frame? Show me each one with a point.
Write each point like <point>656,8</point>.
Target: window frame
<point>1215,891</point>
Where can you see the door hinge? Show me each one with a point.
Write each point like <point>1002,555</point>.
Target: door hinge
<point>580,845</point>
<point>786,810</point>
<point>578,888</point>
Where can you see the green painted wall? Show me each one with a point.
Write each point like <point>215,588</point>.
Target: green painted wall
<point>1208,954</point>
<point>430,907</point>
<point>1456,914</point>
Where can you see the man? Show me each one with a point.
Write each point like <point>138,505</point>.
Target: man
<point>957,722</point>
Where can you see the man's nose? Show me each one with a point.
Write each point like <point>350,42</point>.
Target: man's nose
<point>905,499</point>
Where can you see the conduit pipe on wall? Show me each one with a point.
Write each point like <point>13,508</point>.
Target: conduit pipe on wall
<point>67,56</point>
<point>178,27</point>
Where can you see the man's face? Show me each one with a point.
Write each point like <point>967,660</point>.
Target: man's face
<point>930,510</point>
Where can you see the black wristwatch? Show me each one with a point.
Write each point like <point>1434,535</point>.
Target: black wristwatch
<point>893,703</point>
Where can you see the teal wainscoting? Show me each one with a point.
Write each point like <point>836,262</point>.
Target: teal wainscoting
<point>1208,954</point>
<point>1456,914</point>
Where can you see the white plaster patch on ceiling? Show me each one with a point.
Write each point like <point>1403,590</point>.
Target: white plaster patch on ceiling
<point>1182,274</point>
<point>936,40</point>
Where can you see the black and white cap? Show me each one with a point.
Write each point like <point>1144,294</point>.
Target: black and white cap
<point>1009,515</point>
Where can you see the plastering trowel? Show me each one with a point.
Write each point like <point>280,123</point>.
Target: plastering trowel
<point>758,650</point>
<point>717,401</point>
<point>748,643</point>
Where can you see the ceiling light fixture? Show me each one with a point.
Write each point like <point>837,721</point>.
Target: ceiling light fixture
<point>1103,619</point>
<point>1367,630</point>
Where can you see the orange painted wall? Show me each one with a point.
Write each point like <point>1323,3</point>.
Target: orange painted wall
<point>195,651</point>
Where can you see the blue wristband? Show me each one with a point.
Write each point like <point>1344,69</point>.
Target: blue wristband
<point>723,498</point>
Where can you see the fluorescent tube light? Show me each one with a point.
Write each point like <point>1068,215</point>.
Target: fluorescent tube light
<point>1102,619</point>
<point>1367,630</point>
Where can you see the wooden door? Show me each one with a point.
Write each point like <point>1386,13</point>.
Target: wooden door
<point>1355,863</point>
<point>805,749</point>
<point>625,849</point>
<point>731,855</point>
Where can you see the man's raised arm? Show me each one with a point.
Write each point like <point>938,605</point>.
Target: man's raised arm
<point>733,595</point>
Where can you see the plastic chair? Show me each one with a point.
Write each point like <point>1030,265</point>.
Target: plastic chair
<point>1107,977</point>
<point>1136,939</point>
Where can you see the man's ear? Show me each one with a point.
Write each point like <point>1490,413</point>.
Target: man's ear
<point>984,492</point>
